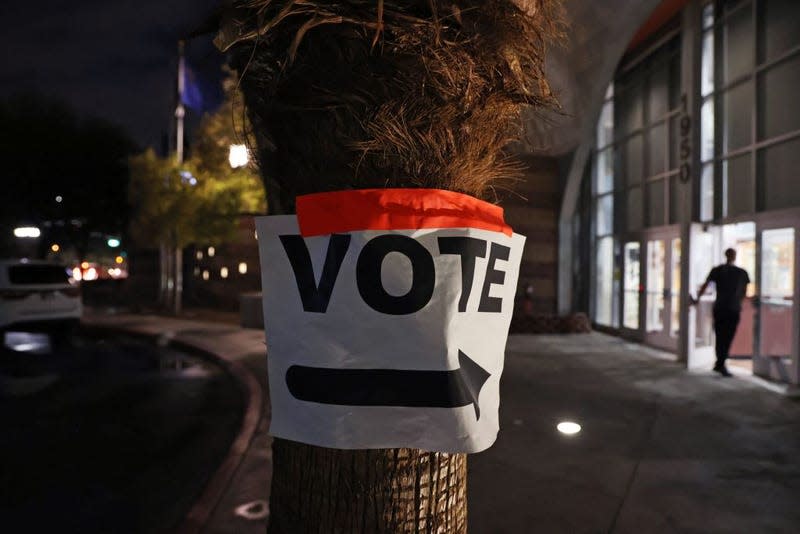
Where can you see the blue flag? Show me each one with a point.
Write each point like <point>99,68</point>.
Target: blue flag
<point>192,96</point>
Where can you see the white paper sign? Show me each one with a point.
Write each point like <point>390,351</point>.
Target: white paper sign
<point>385,338</point>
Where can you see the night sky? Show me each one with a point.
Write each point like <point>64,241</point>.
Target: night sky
<point>113,59</point>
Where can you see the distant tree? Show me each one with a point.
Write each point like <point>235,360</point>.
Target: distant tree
<point>197,201</point>
<point>185,204</point>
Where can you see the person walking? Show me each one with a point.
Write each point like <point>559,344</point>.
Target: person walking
<point>731,283</point>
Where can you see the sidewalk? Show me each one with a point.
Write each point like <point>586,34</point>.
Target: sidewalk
<point>661,450</point>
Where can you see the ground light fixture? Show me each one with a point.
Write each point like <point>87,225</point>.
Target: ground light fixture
<point>569,428</point>
<point>24,232</point>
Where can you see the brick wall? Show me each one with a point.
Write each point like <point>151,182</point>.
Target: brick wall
<point>532,210</point>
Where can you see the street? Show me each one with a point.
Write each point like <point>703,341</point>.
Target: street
<point>109,435</point>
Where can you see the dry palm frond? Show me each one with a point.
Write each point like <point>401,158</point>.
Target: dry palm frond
<point>382,93</point>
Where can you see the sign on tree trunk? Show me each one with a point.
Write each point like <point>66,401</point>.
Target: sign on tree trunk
<point>387,313</point>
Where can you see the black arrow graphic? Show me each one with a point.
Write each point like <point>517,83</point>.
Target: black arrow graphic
<point>390,387</point>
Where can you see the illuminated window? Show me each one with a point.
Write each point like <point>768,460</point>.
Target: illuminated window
<point>211,252</point>
<point>243,268</point>
<point>199,255</point>
<point>223,273</point>
<point>206,275</point>
<point>604,294</point>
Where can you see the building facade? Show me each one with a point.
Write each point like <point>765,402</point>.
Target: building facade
<point>696,149</point>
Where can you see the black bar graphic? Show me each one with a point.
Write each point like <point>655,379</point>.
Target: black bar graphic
<point>390,387</point>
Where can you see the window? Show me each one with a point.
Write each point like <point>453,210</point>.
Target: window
<point>635,211</point>
<point>605,215</point>
<point>778,28</point>
<point>37,274</point>
<point>658,97</point>
<point>778,108</point>
<point>603,193</point>
<point>749,118</point>
<point>605,171</point>
<point>656,202</point>
<point>737,105</point>
<point>604,289</point>
<point>737,45</point>
<point>631,286</point>
<point>657,149</point>
<point>629,106</point>
<point>707,64</point>
<point>739,185</point>
<point>707,130</point>
<point>707,192</point>
<point>779,166</point>
<point>605,126</point>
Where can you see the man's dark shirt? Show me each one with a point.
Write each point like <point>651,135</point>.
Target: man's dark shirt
<point>731,283</point>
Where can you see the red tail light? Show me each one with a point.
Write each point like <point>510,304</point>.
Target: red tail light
<point>71,291</point>
<point>11,294</point>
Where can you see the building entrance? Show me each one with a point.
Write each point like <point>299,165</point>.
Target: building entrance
<point>766,341</point>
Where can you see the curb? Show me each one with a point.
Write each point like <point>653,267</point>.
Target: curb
<point>200,512</point>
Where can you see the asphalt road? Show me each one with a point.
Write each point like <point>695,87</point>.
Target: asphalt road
<point>109,435</point>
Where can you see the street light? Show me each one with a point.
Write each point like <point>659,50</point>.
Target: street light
<point>238,156</point>
<point>27,232</point>
<point>113,242</point>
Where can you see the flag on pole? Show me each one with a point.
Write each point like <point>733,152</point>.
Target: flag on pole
<point>192,95</point>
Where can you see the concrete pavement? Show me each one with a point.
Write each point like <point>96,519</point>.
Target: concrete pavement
<point>661,450</point>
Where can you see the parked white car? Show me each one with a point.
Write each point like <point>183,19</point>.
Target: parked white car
<point>37,296</point>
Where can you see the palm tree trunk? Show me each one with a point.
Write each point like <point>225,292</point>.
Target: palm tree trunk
<point>367,491</point>
<point>382,94</point>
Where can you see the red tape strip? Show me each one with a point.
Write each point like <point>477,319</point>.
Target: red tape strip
<point>395,209</point>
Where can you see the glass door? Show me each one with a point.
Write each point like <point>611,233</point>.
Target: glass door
<point>663,285</point>
<point>656,280</point>
<point>777,310</point>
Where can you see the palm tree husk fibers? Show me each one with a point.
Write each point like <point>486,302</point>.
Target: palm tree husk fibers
<point>379,93</point>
